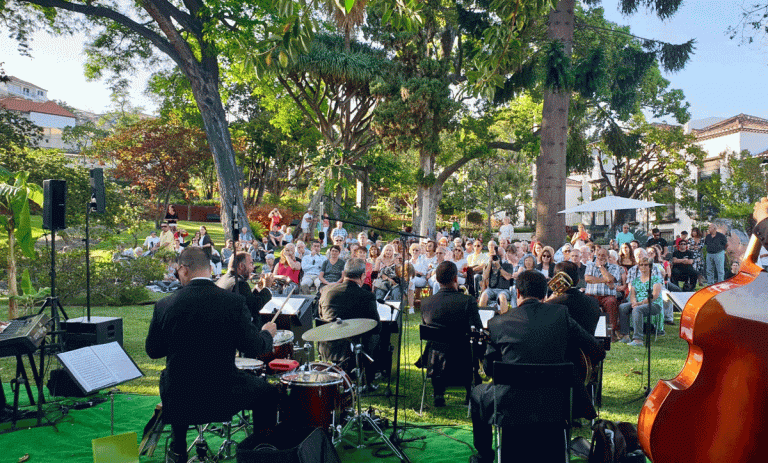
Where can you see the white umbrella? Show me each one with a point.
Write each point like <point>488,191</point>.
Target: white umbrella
<point>611,203</point>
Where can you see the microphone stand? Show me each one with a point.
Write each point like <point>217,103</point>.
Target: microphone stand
<point>648,338</point>
<point>394,438</point>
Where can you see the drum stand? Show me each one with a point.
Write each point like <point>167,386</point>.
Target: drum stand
<point>363,417</point>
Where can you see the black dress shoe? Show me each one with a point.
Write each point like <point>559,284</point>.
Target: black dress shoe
<point>173,457</point>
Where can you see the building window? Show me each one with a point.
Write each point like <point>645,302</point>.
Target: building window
<point>39,93</point>
<point>26,91</point>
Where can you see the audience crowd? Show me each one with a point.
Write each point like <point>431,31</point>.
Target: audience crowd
<point>626,276</point>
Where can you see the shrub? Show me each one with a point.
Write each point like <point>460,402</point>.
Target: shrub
<point>475,218</point>
<point>112,283</point>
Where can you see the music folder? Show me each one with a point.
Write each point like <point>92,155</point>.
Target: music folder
<point>100,366</point>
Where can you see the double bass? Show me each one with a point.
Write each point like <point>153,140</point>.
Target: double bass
<point>716,408</point>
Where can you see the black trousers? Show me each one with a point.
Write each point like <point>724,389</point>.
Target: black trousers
<point>688,276</point>
<point>250,393</point>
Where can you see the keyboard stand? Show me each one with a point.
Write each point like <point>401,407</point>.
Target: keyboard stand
<point>22,379</point>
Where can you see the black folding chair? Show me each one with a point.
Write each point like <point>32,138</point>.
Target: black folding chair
<point>553,381</point>
<point>444,336</point>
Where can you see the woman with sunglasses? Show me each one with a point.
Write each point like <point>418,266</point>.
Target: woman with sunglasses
<point>547,264</point>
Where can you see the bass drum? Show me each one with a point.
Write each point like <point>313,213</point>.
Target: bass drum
<point>348,387</point>
<point>310,399</point>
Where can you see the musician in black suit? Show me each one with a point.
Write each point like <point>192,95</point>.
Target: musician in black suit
<point>585,311</point>
<point>347,299</point>
<point>534,332</point>
<point>454,312</point>
<point>198,329</point>
<point>236,281</point>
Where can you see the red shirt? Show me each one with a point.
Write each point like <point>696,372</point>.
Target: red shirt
<point>288,271</point>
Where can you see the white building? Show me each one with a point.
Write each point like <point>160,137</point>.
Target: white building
<point>48,115</point>
<point>18,88</point>
<point>716,136</point>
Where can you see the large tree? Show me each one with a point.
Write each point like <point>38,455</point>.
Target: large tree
<point>506,66</point>
<point>193,35</point>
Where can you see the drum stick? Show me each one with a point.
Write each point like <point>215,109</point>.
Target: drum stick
<point>284,302</point>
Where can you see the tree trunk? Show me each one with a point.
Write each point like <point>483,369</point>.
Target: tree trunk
<point>217,130</point>
<point>550,165</point>
<point>12,287</point>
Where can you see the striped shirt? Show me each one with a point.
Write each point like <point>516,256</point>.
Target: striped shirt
<point>602,289</point>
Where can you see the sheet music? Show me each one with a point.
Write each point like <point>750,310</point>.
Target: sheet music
<point>485,315</point>
<point>117,360</point>
<point>291,308</point>
<point>98,367</point>
<point>386,314</point>
<point>680,299</point>
<point>601,330</point>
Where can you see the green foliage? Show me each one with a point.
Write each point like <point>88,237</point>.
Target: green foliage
<point>29,297</point>
<point>17,132</point>
<point>112,283</point>
<point>475,218</point>
<point>558,67</point>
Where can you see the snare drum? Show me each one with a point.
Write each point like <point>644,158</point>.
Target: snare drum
<point>311,398</point>
<point>282,347</point>
<point>253,366</point>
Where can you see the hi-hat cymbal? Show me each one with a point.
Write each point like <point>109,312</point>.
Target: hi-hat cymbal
<point>340,329</point>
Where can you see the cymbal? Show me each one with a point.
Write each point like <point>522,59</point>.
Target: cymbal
<point>340,329</point>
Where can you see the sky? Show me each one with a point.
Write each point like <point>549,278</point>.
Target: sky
<point>722,79</point>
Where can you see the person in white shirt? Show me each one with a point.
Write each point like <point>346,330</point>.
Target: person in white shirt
<point>152,242</point>
<point>312,264</point>
<point>419,269</point>
<point>441,254</point>
<point>506,231</point>
<point>306,225</point>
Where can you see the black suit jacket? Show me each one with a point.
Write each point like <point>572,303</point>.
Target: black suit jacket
<point>538,333</point>
<point>347,300</point>
<point>582,308</point>
<point>198,329</point>
<point>255,300</point>
<point>454,312</point>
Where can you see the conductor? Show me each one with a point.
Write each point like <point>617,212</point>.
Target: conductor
<point>198,330</point>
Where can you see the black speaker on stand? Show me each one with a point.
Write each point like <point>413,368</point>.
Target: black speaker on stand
<point>54,218</point>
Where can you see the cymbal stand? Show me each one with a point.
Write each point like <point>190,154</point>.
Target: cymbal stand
<point>363,417</point>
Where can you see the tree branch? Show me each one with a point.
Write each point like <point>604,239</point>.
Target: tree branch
<point>102,12</point>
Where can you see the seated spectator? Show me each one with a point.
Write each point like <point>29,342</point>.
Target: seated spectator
<point>528,263</point>
<point>245,235</point>
<point>337,241</point>
<point>657,239</point>
<point>547,265</point>
<point>287,269</point>
<point>441,255</point>
<point>580,268</point>
<point>733,270</point>
<point>361,253</point>
<point>301,250</point>
<point>275,237</point>
<point>362,241</point>
<point>152,242</point>
<point>419,269</point>
<point>386,284</point>
<point>373,253</point>
<point>226,253</point>
<point>602,278</point>
<point>332,269</point>
<point>682,267</point>
<point>497,281</point>
<point>287,235</point>
<point>269,264</point>
<point>639,306</point>
<point>312,264</point>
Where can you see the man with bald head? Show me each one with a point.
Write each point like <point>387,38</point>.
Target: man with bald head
<point>715,243</point>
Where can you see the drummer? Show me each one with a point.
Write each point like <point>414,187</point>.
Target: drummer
<point>346,300</point>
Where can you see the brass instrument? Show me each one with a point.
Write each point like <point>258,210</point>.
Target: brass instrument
<point>559,284</point>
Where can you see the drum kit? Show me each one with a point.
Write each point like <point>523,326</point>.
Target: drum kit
<point>319,394</point>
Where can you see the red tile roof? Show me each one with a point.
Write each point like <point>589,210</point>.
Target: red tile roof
<point>26,106</point>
